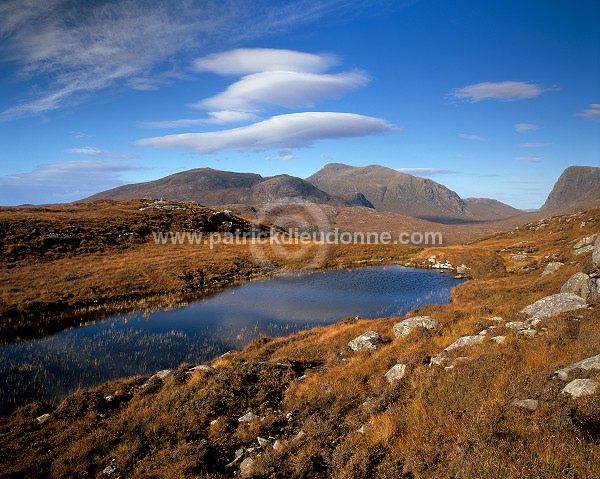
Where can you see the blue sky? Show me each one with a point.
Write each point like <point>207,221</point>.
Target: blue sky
<point>492,99</point>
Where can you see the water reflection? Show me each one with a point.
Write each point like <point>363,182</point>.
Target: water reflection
<point>125,345</point>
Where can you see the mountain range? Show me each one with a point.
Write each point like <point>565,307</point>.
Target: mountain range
<point>374,187</point>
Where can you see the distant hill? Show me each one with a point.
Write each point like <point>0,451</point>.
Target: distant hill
<point>390,190</point>
<point>577,184</point>
<point>214,187</point>
<point>488,209</point>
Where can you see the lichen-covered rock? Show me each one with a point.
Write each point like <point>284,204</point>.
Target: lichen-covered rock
<point>582,285</point>
<point>551,268</point>
<point>395,373</point>
<point>596,253</point>
<point>529,404</point>
<point>403,328</point>
<point>586,364</point>
<point>366,342</point>
<point>552,305</point>
<point>580,387</point>
<point>466,341</point>
<point>248,417</point>
<point>587,241</point>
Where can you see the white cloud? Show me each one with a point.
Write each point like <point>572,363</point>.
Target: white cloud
<point>283,155</point>
<point>69,173</point>
<point>289,89</point>
<point>507,90</point>
<point>523,127</point>
<point>244,61</point>
<point>534,145</point>
<point>214,118</point>
<point>468,136</point>
<point>593,112</point>
<point>426,171</point>
<point>98,153</point>
<point>68,50</point>
<point>295,130</point>
<point>528,159</point>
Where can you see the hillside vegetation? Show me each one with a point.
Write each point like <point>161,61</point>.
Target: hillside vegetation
<point>309,406</point>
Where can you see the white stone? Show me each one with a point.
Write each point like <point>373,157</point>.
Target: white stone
<point>404,327</point>
<point>530,404</point>
<point>395,373</point>
<point>366,342</point>
<point>248,417</point>
<point>580,387</point>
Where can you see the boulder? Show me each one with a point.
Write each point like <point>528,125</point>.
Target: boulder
<point>366,342</point>
<point>530,404</point>
<point>586,364</point>
<point>466,341</point>
<point>522,328</point>
<point>520,257</point>
<point>582,285</point>
<point>202,367</point>
<point>248,417</point>
<point>246,467</point>
<point>596,253</point>
<point>587,241</point>
<point>585,249</point>
<point>580,387</point>
<point>403,328</point>
<point>395,373</point>
<point>552,305</point>
<point>161,374</point>
<point>43,418</point>
<point>551,268</point>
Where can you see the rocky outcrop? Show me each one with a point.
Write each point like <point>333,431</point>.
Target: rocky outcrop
<point>553,305</point>
<point>576,184</point>
<point>403,328</point>
<point>460,343</point>
<point>581,387</point>
<point>582,285</point>
<point>592,363</point>
<point>596,254</point>
<point>366,342</point>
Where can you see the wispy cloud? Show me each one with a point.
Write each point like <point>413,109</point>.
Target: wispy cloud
<point>63,181</point>
<point>295,130</point>
<point>593,112</point>
<point>468,136</point>
<point>523,127</point>
<point>283,155</point>
<point>534,145</point>
<point>507,91</point>
<point>99,153</point>
<point>289,89</point>
<point>214,118</point>
<point>490,175</point>
<point>67,51</point>
<point>426,171</point>
<point>528,159</point>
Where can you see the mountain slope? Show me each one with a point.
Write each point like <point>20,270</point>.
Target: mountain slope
<point>214,187</point>
<point>391,190</point>
<point>577,184</point>
<point>488,209</point>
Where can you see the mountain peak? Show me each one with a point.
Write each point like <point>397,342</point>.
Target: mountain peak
<point>577,184</point>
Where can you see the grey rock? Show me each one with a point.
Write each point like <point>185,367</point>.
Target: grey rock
<point>580,387</point>
<point>530,404</point>
<point>592,363</point>
<point>248,417</point>
<point>298,436</point>
<point>366,342</point>
<point>247,467</point>
<point>459,360</point>
<point>109,470</point>
<point>582,285</point>
<point>465,341</point>
<point>519,257</point>
<point>551,268</point>
<point>403,328</point>
<point>43,418</point>
<point>395,373</point>
<point>262,442</point>
<point>585,249</point>
<point>161,374</point>
<point>552,305</point>
<point>277,445</point>
<point>596,253</point>
<point>499,339</point>
<point>202,367</point>
<point>588,240</point>
<point>523,328</point>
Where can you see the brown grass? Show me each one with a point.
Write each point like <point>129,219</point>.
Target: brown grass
<point>434,423</point>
